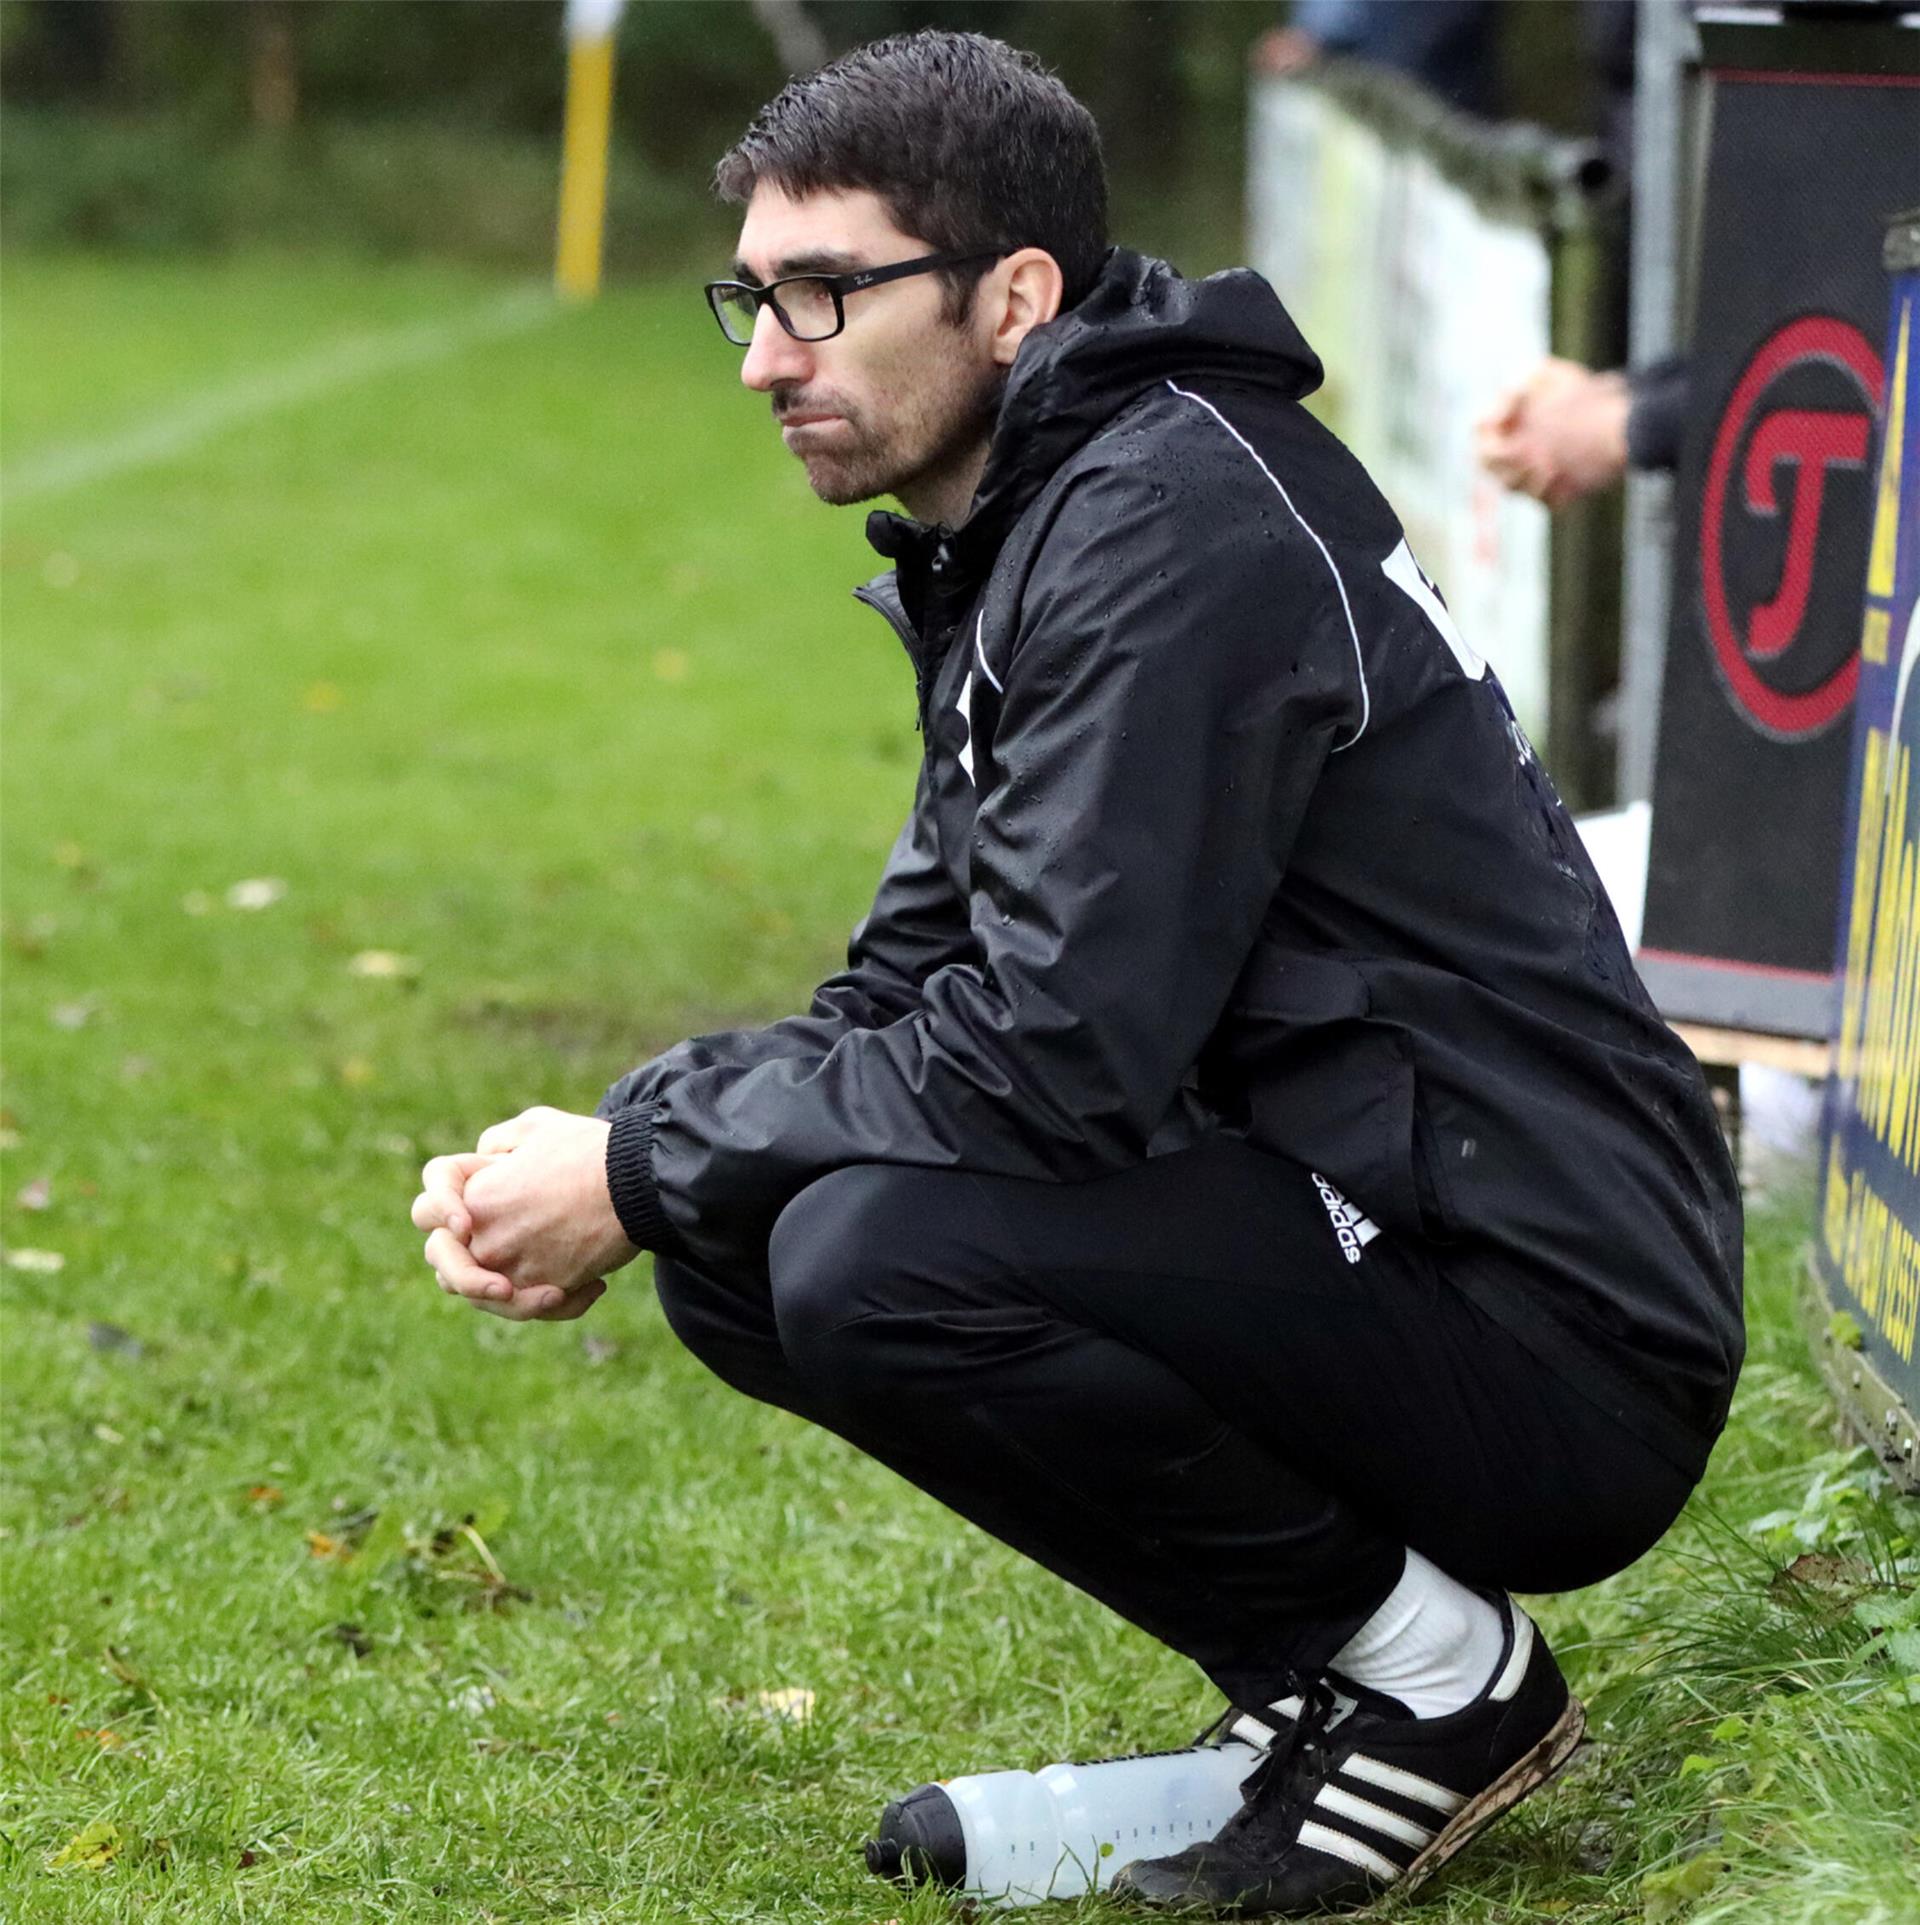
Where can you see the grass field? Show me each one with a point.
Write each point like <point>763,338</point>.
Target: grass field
<point>504,647</point>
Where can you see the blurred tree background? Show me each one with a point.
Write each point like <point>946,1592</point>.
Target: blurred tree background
<point>419,127</point>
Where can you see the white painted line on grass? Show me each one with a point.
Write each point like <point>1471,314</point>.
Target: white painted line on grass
<point>163,437</point>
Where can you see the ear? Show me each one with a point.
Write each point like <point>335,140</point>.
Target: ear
<point>1028,286</point>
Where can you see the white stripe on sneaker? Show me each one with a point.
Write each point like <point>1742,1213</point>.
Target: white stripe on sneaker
<point>1515,1668</point>
<point>1375,1817</point>
<point>1408,1784</point>
<point>1249,1730</point>
<point>1338,1845</point>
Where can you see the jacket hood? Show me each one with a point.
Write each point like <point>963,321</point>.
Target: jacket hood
<point>1142,323</point>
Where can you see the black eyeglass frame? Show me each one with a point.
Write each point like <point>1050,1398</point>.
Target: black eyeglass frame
<point>839,286</point>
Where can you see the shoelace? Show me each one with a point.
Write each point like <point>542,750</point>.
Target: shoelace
<point>1223,1728</point>
<point>1269,1719</point>
<point>1297,1757</point>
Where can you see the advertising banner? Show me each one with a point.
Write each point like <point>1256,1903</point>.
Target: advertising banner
<point>1867,1252</point>
<point>1814,145</point>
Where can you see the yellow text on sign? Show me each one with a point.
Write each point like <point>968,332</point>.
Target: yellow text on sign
<point>1874,1252</point>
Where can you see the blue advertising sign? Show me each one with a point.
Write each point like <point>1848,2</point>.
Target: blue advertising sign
<point>1867,1252</point>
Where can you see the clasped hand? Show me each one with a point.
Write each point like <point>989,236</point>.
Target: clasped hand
<point>522,1226</point>
<point>1560,435</point>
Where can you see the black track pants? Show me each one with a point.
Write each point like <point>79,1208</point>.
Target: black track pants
<point>1172,1388</point>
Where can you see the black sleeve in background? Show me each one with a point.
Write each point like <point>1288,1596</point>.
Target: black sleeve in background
<point>916,925</point>
<point>1657,412</point>
<point>1158,744</point>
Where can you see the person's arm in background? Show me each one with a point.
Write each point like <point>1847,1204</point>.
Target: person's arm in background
<point>1657,415</point>
<point>1568,431</point>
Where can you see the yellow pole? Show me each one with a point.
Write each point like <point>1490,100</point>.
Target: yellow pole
<point>583,174</point>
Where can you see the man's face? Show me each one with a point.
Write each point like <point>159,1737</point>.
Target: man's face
<point>900,399</point>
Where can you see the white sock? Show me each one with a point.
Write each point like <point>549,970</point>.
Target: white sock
<point>1433,1644</point>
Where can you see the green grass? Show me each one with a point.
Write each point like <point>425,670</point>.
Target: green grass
<point>534,665</point>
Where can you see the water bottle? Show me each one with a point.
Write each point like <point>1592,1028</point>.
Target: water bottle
<point>1022,1836</point>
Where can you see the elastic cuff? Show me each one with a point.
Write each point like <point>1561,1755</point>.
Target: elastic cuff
<point>636,1197</point>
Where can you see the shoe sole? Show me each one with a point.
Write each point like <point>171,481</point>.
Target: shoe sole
<point>1534,1769</point>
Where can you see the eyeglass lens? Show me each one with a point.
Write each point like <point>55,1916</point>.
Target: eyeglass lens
<point>806,304</point>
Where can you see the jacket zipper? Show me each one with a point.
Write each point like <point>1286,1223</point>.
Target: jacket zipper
<point>912,644</point>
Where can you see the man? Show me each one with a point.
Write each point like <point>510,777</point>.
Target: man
<point>1238,1166</point>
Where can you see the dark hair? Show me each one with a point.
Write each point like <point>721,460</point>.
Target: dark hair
<point>973,146</point>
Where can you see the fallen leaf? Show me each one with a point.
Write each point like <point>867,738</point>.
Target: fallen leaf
<point>105,1739</point>
<point>109,1336</point>
<point>47,1262</point>
<point>256,892</point>
<point>127,1675</point>
<point>90,1849</point>
<point>265,1495</point>
<point>385,964</point>
<point>1823,1571</point>
<point>793,1704</point>
<point>319,1544</point>
<point>31,942</point>
<point>35,1195</point>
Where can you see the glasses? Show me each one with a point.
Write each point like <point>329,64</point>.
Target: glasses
<point>812,307</point>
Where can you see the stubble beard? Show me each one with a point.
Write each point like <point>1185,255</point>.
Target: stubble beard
<point>947,429</point>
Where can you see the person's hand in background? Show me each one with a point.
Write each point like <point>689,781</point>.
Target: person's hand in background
<point>1560,435</point>
<point>1283,50</point>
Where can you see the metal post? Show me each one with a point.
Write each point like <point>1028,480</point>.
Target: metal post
<point>1662,47</point>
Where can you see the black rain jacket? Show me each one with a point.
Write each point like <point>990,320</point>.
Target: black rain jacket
<point>1220,824</point>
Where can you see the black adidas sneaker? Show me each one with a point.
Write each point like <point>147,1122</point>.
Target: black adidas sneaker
<point>1343,1806</point>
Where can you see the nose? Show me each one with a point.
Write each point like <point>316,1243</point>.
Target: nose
<point>774,355</point>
